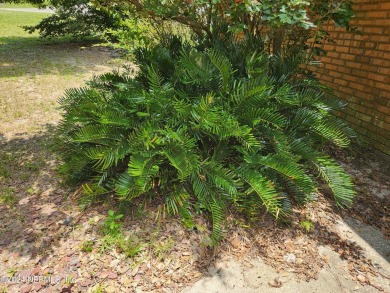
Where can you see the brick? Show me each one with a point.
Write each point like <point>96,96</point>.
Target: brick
<point>382,86</point>
<point>354,120</point>
<point>384,47</point>
<point>369,126</point>
<point>356,51</point>
<point>386,95</point>
<point>349,77</point>
<point>356,86</point>
<point>376,38</point>
<point>360,14</point>
<point>380,22</point>
<point>340,82</point>
<point>384,70</point>
<point>380,62</point>
<point>382,101</point>
<point>327,78</point>
<point>377,77</point>
<point>364,22</point>
<point>347,56</point>
<point>362,59</point>
<point>346,90</point>
<point>343,49</point>
<point>378,138</point>
<point>383,109</point>
<point>374,114</point>
<point>372,30</point>
<point>368,7</point>
<point>385,6</point>
<point>377,54</point>
<point>357,107</point>
<point>383,149</point>
<point>357,67</point>
<point>377,14</point>
<point>332,54</point>
<point>331,67</point>
<point>344,69</point>
<point>354,65</point>
<point>338,62</point>
<point>369,68</point>
<point>364,37</point>
<point>382,124</point>
<point>369,45</point>
<point>384,133</point>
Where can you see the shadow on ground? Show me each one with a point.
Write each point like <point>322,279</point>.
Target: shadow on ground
<point>32,198</point>
<point>34,234</point>
<point>20,56</point>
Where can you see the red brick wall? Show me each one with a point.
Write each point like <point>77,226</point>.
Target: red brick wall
<point>358,68</point>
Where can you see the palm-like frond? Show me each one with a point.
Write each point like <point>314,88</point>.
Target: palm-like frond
<point>339,182</point>
<point>209,129</point>
<point>264,189</point>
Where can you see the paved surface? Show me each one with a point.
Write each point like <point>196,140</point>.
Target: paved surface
<point>35,10</point>
<point>254,276</point>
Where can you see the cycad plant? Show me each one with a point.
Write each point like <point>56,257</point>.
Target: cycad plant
<point>191,130</point>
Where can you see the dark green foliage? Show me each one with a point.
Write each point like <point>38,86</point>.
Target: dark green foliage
<point>76,18</point>
<point>195,129</point>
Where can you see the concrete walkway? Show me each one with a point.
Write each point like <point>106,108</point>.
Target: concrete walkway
<point>254,276</point>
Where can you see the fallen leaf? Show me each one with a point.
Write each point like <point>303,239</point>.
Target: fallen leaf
<point>275,283</point>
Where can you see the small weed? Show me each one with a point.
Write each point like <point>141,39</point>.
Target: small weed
<point>163,248</point>
<point>307,225</point>
<point>3,290</point>
<point>201,228</point>
<point>7,197</point>
<point>4,171</point>
<point>99,288</point>
<point>92,221</point>
<point>11,272</point>
<point>87,246</point>
<point>206,241</point>
<point>25,176</point>
<point>32,166</point>
<point>131,247</point>
<point>112,231</point>
<point>21,218</point>
<point>90,195</point>
<point>112,226</point>
<point>33,190</point>
<point>5,162</point>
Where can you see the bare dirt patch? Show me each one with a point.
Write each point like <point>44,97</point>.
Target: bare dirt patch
<point>34,80</point>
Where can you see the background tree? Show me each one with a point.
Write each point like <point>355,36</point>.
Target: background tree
<point>75,18</point>
<point>281,25</point>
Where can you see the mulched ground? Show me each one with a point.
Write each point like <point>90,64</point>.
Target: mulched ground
<point>43,228</point>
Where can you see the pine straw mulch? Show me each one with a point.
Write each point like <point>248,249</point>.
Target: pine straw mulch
<point>35,241</point>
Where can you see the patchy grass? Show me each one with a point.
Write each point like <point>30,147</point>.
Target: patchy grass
<point>35,72</point>
<point>7,196</point>
<point>16,5</point>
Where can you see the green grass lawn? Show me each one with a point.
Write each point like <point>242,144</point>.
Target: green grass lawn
<point>21,51</point>
<point>14,5</point>
<point>12,35</point>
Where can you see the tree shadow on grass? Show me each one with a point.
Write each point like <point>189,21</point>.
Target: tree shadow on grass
<point>32,227</point>
<point>32,197</point>
<point>64,56</point>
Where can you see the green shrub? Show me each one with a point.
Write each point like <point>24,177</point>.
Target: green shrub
<point>204,130</point>
<point>78,18</point>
